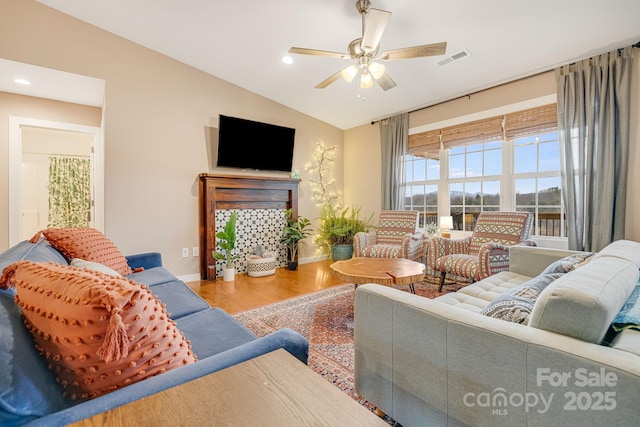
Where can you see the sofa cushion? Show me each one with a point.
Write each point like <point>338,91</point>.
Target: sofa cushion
<point>97,332</point>
<point>569,263</point>
<point>516,304</point>
<point>477,296</point>
<point>582,304</point>
<point>88,244</point>
<point>180,300</point>
<point>627,340</point>
<point>492,287</point>
<point>28,389</point>
<point>152,276</point>
<point>221,333</point>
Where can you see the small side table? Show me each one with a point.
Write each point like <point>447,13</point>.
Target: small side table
<point>383,271</point>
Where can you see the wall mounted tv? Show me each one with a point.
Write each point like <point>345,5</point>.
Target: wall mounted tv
<point>247,144</point>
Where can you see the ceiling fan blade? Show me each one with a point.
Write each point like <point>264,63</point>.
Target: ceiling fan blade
<point>316,52</point>
<point>386,82</point>
<point>376,24</point>
<point>414,52</point>
<point>329,80</point>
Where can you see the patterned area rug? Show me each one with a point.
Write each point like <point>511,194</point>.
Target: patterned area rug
<point>325,318</point>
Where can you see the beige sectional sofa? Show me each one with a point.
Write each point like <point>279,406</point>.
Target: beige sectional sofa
<point>442,362</point>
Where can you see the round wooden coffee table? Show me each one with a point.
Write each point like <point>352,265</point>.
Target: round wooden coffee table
<point>383,271</point>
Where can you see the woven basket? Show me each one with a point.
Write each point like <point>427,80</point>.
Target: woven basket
<point>265,266</point>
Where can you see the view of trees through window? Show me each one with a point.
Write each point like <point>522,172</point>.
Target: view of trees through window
<point>474,181</point>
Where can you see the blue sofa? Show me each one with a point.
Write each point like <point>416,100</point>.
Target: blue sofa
<point>29,394</point>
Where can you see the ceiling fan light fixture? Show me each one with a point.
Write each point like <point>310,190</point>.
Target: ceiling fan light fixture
<point>365,49</point>
<point>376,69</point>
<point>349,73</point>
<point>366,81</point>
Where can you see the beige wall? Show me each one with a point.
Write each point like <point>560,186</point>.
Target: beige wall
<point>157,114</point>
<point>362,173</point>
<point>34,108</point>
<point>483,103</point>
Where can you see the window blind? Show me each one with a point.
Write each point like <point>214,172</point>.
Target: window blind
<point>473,132</point>
<point>425,144</point>
<point>508,126</point>
<point>534,120</point>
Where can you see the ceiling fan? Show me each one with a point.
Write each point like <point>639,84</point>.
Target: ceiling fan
<point>365,51</point>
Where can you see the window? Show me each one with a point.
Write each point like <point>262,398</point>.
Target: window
<point>536,182</point>
<point>474,182</point>
<point>422,175</point>
<point>510,162</point>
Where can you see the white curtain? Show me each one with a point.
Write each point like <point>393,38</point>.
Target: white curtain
<point>593,125</point>
<point>394,137</point>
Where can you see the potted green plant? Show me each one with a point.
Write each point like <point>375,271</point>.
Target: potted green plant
<point>431,229</point>
<point>294,230</point>
<point>338,228</point>
<point>226,242</point>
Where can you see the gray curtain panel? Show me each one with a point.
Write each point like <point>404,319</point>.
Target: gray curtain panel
<point>394,137</point>
<point>593,126</point>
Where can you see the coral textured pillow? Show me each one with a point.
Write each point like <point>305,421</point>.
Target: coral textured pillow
<point>97,332</point>
<point>88,244</point>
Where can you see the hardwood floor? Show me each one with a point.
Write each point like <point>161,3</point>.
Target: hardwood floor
<point>250,292</point>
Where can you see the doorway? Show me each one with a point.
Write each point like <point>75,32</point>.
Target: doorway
<point>33,146</point>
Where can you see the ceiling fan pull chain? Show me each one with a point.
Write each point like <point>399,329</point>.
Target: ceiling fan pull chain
<point>360,97</point>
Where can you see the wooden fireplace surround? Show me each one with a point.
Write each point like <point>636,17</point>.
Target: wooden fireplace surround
<point>238,192</point>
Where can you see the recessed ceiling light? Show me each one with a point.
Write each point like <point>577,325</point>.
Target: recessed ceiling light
<point>287,59</point>
<point>22,81</point>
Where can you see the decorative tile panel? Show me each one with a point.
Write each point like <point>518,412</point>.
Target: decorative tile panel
<point>254,227</point>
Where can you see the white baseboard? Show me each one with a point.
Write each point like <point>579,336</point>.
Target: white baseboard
<point>190,277</point>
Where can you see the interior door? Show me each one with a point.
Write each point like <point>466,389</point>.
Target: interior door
<point>31,143</point>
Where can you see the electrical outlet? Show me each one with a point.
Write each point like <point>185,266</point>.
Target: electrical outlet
<point>195,251</point>
<point>185,252</point>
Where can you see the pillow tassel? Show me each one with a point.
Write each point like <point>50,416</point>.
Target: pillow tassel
<point>116,342</point>
<point>7,275</point>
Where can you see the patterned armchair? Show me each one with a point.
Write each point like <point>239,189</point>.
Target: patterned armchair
<point>397,236</point>
<point>486,251</point>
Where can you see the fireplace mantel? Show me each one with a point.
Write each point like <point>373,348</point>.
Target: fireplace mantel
<point>238,192</point>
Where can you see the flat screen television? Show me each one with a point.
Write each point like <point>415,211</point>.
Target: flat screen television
<point>247,144</point>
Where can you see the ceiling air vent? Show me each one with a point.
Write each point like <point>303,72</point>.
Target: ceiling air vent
<point>455,57</point>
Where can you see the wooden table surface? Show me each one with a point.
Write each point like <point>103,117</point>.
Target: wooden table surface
<point>275,389</point>
<point>383,271</point>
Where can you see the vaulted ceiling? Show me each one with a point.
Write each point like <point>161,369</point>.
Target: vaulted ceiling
<point>243,42</point>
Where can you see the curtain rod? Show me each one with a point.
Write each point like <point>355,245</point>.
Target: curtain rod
<point>373,122</point>
<point>468,95</point>
<point>73,156</point>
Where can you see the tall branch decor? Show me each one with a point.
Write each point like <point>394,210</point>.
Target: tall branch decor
<point>321,175</point>
<point>338,226</point>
